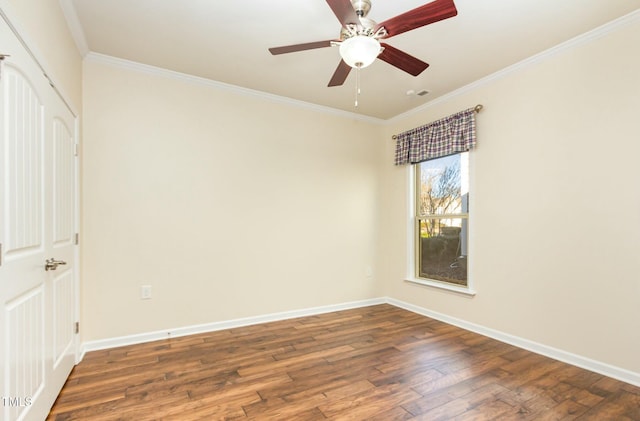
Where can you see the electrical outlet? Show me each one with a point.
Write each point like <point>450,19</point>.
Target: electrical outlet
<point>145,292</point>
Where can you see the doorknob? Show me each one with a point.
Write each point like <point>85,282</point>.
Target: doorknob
<point>52,264</point>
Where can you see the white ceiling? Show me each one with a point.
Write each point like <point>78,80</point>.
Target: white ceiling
<point>227,41</point>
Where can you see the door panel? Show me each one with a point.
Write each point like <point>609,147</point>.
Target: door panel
<point>25,357</point>
<point>23,166</point>
<point>63,185</point>
<point>63,316</point>
<point>37,222</point>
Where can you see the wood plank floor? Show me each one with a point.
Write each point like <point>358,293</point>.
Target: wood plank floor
<point>372,363</point>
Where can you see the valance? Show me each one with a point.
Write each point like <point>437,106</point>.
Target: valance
<point>453,134</point>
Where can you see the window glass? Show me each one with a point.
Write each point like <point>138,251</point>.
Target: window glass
<point>442,225</point>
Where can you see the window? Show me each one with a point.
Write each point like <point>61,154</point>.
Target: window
<point>442,219</point>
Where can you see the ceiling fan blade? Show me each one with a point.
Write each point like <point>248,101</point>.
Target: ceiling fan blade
<point>340,75</point>
<point>299,47</point>
<point>420,16</point>
<point>402,60</point>
<point>344,11</point>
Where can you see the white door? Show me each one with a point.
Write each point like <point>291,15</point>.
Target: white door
<point>37,222</point>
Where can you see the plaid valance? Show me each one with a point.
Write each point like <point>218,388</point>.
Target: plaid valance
<point>449,135</point>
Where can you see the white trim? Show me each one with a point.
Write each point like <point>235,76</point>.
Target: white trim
<point>442,285</point>
<point>575,42</point>
<point>170,74</point>
<point>557,354</point>
<point>76,248</point>
<point>75,27</point>
<point>605,369</point>
<point>411,243</point>
<point>77,33</point>
<point>228,324</point>
<point>411,222</point>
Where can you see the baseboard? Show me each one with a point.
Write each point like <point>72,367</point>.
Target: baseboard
<point>618,373</point>
<point>608,370</point>
<point>227,324</point>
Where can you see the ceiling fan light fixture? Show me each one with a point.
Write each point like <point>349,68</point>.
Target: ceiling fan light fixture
<point>359,51</point>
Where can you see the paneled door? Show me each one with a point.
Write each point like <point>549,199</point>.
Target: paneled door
<point>38,282</point>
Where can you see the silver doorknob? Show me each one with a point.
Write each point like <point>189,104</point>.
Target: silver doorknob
<point>52,264</point>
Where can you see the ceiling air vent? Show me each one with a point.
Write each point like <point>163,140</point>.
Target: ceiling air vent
<point>423,92</point>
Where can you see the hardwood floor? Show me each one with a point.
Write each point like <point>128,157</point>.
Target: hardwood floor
<point>372,363</point>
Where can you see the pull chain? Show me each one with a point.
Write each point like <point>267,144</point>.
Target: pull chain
<point>357,84</point>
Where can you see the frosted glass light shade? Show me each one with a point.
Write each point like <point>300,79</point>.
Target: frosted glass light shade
<point>359,51</point>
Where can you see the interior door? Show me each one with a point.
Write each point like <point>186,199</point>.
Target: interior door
<point>37,223</point>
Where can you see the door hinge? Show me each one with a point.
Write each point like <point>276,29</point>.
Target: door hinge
<point>77,327</point>
<point>75,149</point>
<point>2,57</point>
<point>76,239</point>
<point>0,254</point>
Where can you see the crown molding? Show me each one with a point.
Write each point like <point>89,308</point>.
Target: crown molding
<point>587,37</point>
<point>75,27</point>
<point>187,78</point>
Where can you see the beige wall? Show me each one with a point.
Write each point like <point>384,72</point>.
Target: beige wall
<point>228,205</point>
<point>211,198</point>
<point>555,232</point>
<point>42,24</point>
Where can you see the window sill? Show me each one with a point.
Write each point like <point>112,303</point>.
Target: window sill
<point>441,285</point>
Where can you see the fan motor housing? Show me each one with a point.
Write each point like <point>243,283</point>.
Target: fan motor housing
<point>361,7</point>
<point>366,25</point>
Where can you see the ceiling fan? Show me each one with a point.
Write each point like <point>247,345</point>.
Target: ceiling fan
<point>360,36</point>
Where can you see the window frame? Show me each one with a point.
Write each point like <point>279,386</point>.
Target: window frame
<point>413,236</point>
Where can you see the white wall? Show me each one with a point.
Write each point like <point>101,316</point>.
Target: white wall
<point>555,204</point>
<point>228,205</point>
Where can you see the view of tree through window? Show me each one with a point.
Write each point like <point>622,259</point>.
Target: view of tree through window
<point>442,206</point>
